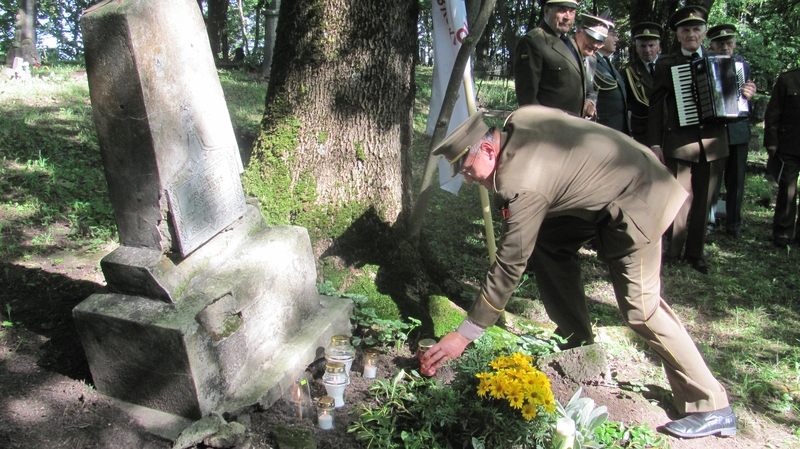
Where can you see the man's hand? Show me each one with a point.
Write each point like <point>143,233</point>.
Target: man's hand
<point>772,149</point>
<point>589,109</point>
<point>749,89</point>
<point>448,348</point>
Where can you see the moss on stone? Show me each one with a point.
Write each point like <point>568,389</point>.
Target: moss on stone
<point>294,438</point>
<point>445,315</point>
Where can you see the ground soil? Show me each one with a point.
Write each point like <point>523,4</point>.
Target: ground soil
<point>47,399</point>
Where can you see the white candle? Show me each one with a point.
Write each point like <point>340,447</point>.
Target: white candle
<point>325,421</point>
<point>370,371</point>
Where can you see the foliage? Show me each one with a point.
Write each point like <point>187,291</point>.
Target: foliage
<point>614,434</point>
<point>418,412</point>
<point>378,330</point>
<point>586,417</point>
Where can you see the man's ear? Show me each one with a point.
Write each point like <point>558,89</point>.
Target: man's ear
<point>489,149</point>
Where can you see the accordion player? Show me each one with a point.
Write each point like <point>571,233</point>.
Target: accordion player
<point>708,90</point>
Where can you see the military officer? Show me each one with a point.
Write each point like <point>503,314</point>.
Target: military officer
<point>782,139</point>
<point>547,67</point>
<point>560,181</point>
<point>695,154</point>
<point>612,104</point>
<point>639,75</point>
<point>722,39</point>
<point>590,37</point>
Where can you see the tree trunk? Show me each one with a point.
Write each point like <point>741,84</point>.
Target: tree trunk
<point>270,28</point>
<point>337,130</point>
<point>244,28</point>
<point>217,25</point>
<point>24,45</point>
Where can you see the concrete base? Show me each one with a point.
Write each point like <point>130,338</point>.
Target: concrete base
<point>234,334</point>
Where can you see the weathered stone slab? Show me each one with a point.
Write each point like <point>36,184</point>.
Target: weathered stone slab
<point>170,155</point>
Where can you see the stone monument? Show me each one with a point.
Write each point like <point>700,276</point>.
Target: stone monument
<point>206,308</point>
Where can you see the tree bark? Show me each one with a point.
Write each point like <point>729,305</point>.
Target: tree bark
<point>270,28</point>
<point>217,25</point>
<point>337,131</point>
<point>244,29</point>
<point>24,45</point>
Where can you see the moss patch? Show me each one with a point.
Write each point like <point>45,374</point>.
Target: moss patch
<point>446,316</point>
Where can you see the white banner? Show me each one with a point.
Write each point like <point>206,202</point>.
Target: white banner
<point>449,29</point>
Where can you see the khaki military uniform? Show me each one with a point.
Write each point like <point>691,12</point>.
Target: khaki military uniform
<point>547,73</point>
<point>562,180</point>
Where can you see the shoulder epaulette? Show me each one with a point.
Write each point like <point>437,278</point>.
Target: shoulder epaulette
<point>535,32</point>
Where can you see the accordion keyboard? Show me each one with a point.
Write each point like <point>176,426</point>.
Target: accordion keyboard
<point>683,85</point>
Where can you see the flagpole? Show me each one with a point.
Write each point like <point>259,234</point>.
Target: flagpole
<point>491,245</point>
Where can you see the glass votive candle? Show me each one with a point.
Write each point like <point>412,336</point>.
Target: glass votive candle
<point>340,350</point>
<point>422,347</point>
<point>335,380</point>
<point>298,399</point>
<point>325,408</point>
<point>371,363</point>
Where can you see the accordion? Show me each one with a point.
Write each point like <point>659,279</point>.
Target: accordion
<point>708,90</point>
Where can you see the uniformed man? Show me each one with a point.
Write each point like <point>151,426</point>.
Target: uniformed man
<point>695,154</point>
<point>612,103</point>
<point>547,67</point>
<point>723,42</point>
<point>560,181</point>
<point>639,75</point>
<point>590,37</point>
<point>782,139</point>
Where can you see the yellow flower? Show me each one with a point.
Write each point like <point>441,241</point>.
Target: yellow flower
<point>529,411</point>
<point>516,400</point>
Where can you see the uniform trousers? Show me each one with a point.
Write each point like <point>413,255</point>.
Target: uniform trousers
<point>636,277</point>
<point>689,228</point>
<point>783,223</point>
<point>735,168</point>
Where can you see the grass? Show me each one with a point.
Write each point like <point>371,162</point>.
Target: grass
<point>743,315</point>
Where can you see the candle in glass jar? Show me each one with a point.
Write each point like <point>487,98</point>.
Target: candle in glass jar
<point>423,347</point>
<point>325,416</point>
<point>371,363</point>
<point>335,380</point>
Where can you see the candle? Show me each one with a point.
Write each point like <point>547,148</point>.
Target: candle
<point>325,421</point>
<point>325,417</point>
<point>371,363</point>
<point>335,381</point>
<point>423,347</point>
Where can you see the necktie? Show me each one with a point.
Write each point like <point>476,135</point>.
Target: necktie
<point>695,56</point>
<point>651,67</point>
<point>566,41</point>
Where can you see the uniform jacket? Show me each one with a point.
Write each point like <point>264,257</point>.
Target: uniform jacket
<point>547,73</point>
<point>638,87</point>
<point>552,164</point>
<point>612,104</point>
<point>684,143</point>
<point>782,119</point>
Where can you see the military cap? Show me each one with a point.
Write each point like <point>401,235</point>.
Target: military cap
<point>458,144</point>
<point>647,30</point>
<point>724,31</point>
<point>688,15</point>
<point>568,3</point>
<point>596,27</point>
